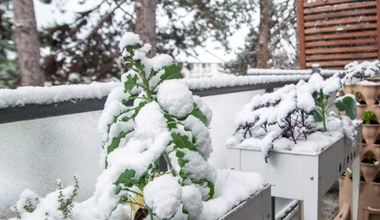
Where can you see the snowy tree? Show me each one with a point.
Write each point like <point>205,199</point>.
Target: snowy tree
<point>281,40</point>
<point>146,22</point>
<point>85,50</point>
<point>28,46</point>
<point>264,27</point>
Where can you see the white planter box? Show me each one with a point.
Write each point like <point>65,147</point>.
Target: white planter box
<point>302,176</point>
<point>256,207</point>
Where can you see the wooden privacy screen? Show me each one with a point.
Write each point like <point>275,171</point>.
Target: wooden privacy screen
<point>333,33</point>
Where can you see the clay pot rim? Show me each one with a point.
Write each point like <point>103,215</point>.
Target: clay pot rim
<point>371,125</point>
<point>369,164</point>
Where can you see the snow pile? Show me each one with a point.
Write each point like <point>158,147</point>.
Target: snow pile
<point>129,39</point>
<point>163,195</point>
<point>231,81</point>
<point>46,95</point>
<point>231,188</point>
<point>175,98</point>
<point>295,117</point>
<point>356,72</point>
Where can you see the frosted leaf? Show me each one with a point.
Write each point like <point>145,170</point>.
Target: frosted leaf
<point>331,85</point>
<point>175,98</point>
<point>112,108</point>
<point>28,201</point>
<point>205,109</point>
<point>163,195</point>
<point>197,168</point>
<point>129,39</point>
<point>160,61</point>
<point>201,134</point>
<point>305,99</point>
<point>150,121</point>
<point>192,201</point>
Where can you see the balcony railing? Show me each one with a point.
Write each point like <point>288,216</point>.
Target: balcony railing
<point>50,133</point>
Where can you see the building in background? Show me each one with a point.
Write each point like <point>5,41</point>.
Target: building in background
<point>204,64</point>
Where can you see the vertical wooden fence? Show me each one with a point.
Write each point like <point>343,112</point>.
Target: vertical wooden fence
<point>333,33</point>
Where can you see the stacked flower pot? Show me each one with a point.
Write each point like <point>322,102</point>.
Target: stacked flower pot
<point>368,110</point>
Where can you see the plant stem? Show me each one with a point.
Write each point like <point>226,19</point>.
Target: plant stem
<point>167,159</point>
<point>132,191</point>
<point>146,87</point>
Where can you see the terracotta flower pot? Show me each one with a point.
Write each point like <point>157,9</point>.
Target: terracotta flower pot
<point>349,88</point>
<point>376,110</point>
<point>370,132</point>
<point>369,93</point>
<point>369,171</point>
<point>376,151</point>
<point>376,187</point>
<point>360,109</point>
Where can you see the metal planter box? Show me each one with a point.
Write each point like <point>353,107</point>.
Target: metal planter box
<point>302,176</point>
<point>256,207</point>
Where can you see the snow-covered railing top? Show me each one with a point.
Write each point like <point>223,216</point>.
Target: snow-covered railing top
<point>27,103</point>
<point>280,72</point>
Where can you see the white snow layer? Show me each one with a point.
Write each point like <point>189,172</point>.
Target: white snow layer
<point>163,195</point>
<point>129,39</point>
<point>46,95</point>
<point>231,188</point>
<point>271,108</point>
<point>175,98</point>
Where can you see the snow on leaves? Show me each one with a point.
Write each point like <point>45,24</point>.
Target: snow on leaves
<point>292,112</point>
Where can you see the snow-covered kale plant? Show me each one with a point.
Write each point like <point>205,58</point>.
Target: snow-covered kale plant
<point>147,118</point>
<point>292,115</point>
<point>355,72</point>
<point>152,117</point>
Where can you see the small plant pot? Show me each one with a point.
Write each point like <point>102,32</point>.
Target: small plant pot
<point>370,132</point>
<point>369,93</point>
<point>376,151</point>
<point>369,171</point>
<point>360,109</point>
<point>376,187</point>
<point>376,110</point>
<point>374,79</point>
<point>348,89</point>
<point>373,148</point>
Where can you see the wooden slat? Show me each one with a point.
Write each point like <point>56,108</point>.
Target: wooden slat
<point>341,42</point>
<point>326,2</point>
<point>340,7</point>
<point>332,63</point>
<point>340,21</point>
<point>340,28</point>
<point>378,29</point>
<point>342,56</point>
<point>341,49</point>
<point>340,35</point>
<point>301,33</point>
<point>358,12</point>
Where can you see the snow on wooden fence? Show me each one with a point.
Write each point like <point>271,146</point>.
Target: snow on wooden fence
<point>333,33</point>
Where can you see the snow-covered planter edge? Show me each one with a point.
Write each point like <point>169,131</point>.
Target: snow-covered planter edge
<point>302,176</point>
<point>356,72</point>
<point>295,118</point>
<point>305,144</point>
<point>167,121</point>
